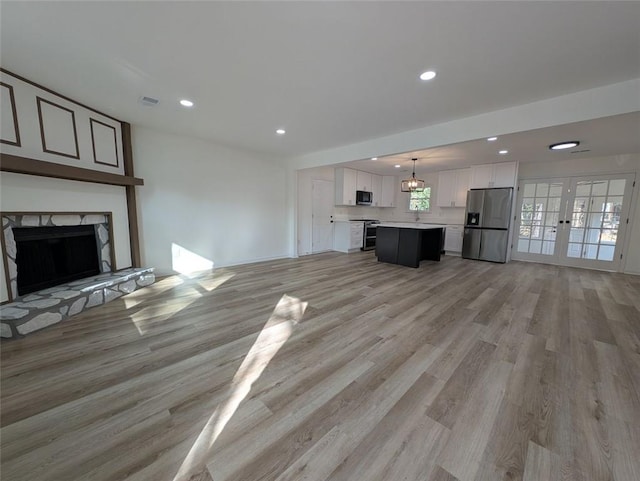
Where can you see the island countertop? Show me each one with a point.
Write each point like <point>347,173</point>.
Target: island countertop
<point>411,225</point>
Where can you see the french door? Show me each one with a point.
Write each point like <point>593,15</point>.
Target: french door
<point>574,221</point>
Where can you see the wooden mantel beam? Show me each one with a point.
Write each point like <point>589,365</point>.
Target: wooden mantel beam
<point>24,165</point>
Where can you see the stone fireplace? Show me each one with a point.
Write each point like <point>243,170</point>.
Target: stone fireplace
<point>101,223</point>
<point>36,309</point>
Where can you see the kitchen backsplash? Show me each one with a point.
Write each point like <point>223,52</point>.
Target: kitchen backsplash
<point>437,215</point>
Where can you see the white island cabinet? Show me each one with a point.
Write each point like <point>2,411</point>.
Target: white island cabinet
<point>348,236</point>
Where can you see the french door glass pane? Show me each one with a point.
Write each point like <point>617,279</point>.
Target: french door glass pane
<point>606,252</point>
<point>593,236</point>
<point>583,189</point>
<point>616,187</point>
<point>590,251</point>
<point>523,244</point>
<point>542,190</point>
<point>576,234</point>
<point>555,190</point>
<point>599,187</point>
<point>535,247</point>
<point>574,250</point>
<point>598,204</point>
<point>529,190</point>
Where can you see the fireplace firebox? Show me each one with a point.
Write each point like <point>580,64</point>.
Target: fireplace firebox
<point>53,255</point>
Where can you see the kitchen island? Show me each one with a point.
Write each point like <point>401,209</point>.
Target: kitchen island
<point>408,243</point>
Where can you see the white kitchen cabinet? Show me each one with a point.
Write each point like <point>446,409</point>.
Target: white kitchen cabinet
<point>348,236</point>
<point>504,174</point>
<point>376,189</point>
<point>493,175</point>
<point>453,238</point>
<point>388,196</point>
<point>452,188</point>
<point>363,181</point>
<point>345,186</point>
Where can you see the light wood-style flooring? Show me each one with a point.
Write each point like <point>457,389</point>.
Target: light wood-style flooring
<point>335,367</point>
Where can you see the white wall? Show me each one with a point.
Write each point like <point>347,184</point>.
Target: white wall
<point>224,205</point>
<point>24,193</point>
<point>602,165</point>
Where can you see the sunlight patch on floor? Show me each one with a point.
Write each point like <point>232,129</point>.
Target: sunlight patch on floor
<point>157,313</point>
<point>187,262</point>
<point>136,297</point>
<point>277,330</point>
<point>216,281</point>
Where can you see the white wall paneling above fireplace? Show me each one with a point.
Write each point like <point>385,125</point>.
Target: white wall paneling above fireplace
<point>38,124</point>
<point>58,131</point>
<point>10,134</point>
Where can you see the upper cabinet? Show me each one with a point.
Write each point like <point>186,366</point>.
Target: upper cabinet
<point>493,175</point>
<point>388,191</point>
<point>363,181</point>
<point>452,188</point>
<point>350,180</point>
<point>376,189</point>
<point>346,186</point>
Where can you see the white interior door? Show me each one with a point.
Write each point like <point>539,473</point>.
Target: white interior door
<point>321,215</point>
<point>577,221</point>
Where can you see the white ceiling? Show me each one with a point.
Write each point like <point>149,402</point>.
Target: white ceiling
<point>330,73</point>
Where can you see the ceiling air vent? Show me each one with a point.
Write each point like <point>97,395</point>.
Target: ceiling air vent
<point>148,101</point>
<point>580,151</point>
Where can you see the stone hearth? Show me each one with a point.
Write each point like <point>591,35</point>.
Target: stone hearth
<point>43,308</point>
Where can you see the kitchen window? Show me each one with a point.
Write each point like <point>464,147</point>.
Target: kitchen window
<point>420,201</point>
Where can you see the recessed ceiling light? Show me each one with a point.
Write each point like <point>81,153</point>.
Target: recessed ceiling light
<point>491,139</point>
<point>502,152</point>
<point>186,103</point>
<point>428,75</point>
<point>397,166</point>
<point>280,131</point>
<point>374,158</point>
<point>564,145</point>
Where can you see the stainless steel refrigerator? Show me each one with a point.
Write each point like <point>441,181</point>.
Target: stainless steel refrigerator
<point>487,220</point>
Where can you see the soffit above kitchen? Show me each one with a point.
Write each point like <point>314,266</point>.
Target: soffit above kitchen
<point>603,137</point>
<point>329,73</point>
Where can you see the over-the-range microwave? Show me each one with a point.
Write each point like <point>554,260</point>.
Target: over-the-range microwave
<point>363,197</point>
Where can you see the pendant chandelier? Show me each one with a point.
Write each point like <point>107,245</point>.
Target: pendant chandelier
<point>412,184</point>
